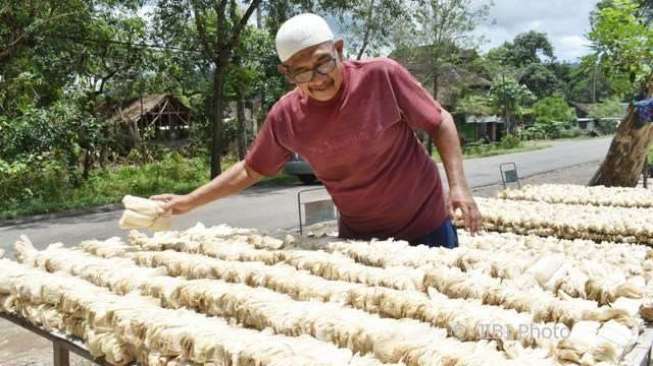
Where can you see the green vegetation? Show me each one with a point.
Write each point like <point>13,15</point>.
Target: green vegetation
<point>52,192</point>
<point>67,67</point>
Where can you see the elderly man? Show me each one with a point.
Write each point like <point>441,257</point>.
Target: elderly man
<point>354,122</point>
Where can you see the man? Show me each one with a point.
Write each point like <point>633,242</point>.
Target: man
<point>353,122</point>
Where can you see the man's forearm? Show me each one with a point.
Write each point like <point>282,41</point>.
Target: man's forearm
<point>232,181</point>
<point>448,145</point>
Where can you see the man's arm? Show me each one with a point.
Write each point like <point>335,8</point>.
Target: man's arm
<point>232,181</point>
<point>460,197</point>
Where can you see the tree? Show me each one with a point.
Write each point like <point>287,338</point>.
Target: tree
<point>35,63</point>
<point>440,28</point>
<point>623,41</point>
<point>372,24</point>
<point>609,108</point>
<point>553,109</point>
<point>527,48</point>
<point>218,25</point>
<point>540,80</point>
<point>475,105</point>
<point>509,99</point>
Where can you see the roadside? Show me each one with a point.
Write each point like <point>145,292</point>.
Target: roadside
<point>19,347</point>
<point>103,192</point>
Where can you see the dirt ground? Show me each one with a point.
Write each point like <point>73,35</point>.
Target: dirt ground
<point>19,347</point>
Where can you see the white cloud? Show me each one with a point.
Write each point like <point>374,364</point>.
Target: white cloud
<point>565,22</point>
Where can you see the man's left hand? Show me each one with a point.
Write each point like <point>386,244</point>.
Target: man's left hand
<point>461,198</point>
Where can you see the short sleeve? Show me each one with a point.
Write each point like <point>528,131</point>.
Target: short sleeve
<point>418,107</point>
<point>267,155</point>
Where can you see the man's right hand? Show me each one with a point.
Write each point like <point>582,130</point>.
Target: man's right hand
<point>174,203</point>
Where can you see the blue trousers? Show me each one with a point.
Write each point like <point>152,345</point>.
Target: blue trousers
<point>444,236</point>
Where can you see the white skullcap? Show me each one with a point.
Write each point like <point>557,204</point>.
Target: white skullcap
<point>300,32</point>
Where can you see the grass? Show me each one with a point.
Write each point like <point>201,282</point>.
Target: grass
<point>173,174</point>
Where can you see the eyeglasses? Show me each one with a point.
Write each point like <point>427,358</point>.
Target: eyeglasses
<point>322,68</point>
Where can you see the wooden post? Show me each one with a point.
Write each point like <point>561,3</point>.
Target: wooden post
<point>61,355</point>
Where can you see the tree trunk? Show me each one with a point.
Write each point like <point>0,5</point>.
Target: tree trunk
<point>625,159</point>
<point>240,136</point>
<point>627,154</point>
<point>368,30</point>
<point>216,126</point>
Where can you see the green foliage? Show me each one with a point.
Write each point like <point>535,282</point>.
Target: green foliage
<point>510,99</point>
<point>61,131</point>
<point>527,48</point>
<point>553,109</point>
<point>510,142</point>
<point>623,41</point>
<point>540,80</point>
<point>370,25</point>
<point>40,185</point>
<point>609,108</point>
<point>475,105</point>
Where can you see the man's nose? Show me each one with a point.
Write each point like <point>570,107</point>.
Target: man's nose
<point>319,78</point>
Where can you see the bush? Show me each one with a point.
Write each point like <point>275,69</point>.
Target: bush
<point>571,133</point>
<point>510,142</point>
<point>42,185</point>
<point>36,178</point>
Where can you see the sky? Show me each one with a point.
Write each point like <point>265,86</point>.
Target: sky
<point>565,22</point>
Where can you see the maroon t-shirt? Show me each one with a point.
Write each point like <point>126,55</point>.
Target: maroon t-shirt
<point>361,145</point>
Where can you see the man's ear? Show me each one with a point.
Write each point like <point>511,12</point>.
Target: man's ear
<point>340,46</point>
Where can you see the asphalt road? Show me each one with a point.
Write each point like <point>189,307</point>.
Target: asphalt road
<point>276,208</point>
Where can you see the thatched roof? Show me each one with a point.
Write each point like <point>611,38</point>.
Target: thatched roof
<point>135,109</point>
<point>484,119</point>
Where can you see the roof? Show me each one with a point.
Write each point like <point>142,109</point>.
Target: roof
<point>483,119</point>
<point>136,108</point>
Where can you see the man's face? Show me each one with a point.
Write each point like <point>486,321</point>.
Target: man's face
<point>323,63</point>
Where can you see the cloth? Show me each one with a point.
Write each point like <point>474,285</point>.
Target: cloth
<point>300,32</point>
<point>644,110</point>
<point>362,146</point>
<point>444,236</point>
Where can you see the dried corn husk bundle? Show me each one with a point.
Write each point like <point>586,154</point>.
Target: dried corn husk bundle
<point>631,259</point>
<point>112,247</point>
<point>326,265</point>
<point>464,321</point>
<point>629,225</point>
<point>146,327</point>
<point>553,272</point>
<point>143,213</point>
<point>545,307</point>
<point>222,248</point>
<point>519,294</point>
<point>23,294</point>
<point>199,234</point>
<point>358,330</point>
<point>582,195</point>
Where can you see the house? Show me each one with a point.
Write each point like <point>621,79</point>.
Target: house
<point>488,128</point>
<point>161,117</point>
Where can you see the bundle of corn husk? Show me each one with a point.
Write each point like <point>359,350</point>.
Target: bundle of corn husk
<point>603,288</point>
<point>618,224</point>
<point>543,305</point>
<point>263,308</point>
<point>143,213</point>
<point>387,303</point>
<point>582,195</point>
<point>594,280</point>
<point>138,327</point>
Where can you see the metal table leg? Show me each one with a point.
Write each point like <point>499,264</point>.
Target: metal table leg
<point>61,354</point>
